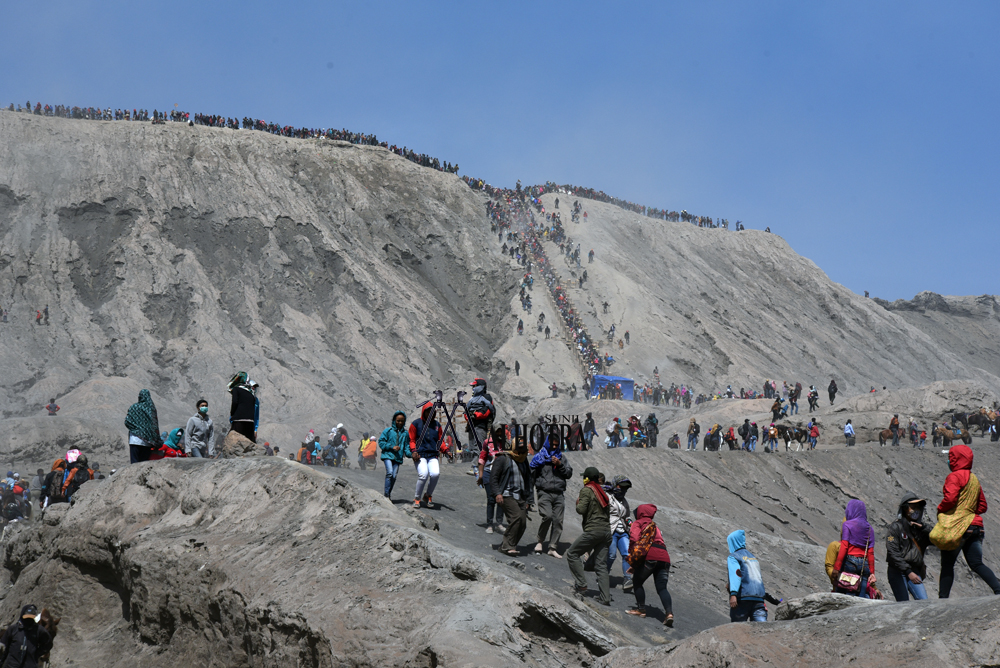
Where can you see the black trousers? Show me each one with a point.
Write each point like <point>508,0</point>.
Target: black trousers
<point>245,429</point>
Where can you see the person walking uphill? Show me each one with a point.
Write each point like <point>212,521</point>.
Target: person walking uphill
<point>510,484</point>
<point>425,434</point>
<point>25,642</point>
<point>143,428</point>
<point>959,525</point>
<point>649,558</point>
<point>592,504</point>
<point>243,411</point>
<point>905,544</point>
<point>832,389</point>
<point>855,564</point>
<point>199,434</point>
<point>394,444</point>
<point>482,412</point>
<point>746,586</point>
<point>550,471</point>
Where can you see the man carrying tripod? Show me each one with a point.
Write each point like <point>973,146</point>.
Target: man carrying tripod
<point>481,414</point>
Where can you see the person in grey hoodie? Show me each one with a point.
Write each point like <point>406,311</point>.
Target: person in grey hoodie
<point>199,434</point>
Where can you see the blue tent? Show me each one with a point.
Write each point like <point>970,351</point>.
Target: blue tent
<point>628,385</point>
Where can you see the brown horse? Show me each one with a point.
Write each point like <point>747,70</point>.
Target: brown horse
<point>885,436</point>
<point>51,625</point>
<point>947,435</point>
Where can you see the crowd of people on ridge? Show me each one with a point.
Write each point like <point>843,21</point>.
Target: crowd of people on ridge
<point>220,121</point>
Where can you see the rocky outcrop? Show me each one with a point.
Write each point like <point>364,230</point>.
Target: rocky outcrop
<point>963,632</point>
<point>264,562</point>
<point>237,445</point>
<point>818,604</point>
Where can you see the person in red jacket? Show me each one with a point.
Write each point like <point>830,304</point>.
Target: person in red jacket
<point>960,461</point>
<point>857,548</point>
<point>656,564</point>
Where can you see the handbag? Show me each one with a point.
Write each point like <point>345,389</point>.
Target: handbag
<point>851,582</point>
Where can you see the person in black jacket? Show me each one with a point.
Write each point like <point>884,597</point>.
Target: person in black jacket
<point>243,412</point>
<point>482,412</point>
<point>589,430</point>
<point>25,641</point>
<point>905,544</point>
<point>832,390</point>
<point>510,483</point>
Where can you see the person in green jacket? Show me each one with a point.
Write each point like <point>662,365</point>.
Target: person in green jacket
<point>592,504</point>
<point>394,444</point>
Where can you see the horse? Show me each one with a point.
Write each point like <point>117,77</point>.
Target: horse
<point>885,436</point>
<point>981,420</point>
<point>51,624</point>
<point>947,435</point>
<point>789,434</point>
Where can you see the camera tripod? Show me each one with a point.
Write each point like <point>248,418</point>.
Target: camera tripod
<point>439,404</point>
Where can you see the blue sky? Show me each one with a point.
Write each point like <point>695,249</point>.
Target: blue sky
<point>864,133</point>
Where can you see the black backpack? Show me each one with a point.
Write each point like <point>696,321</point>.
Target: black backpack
<point>742,431</point>
<point>74,480</point>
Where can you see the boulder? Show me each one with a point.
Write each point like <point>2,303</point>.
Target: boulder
<point>237,445</point>
<point>818,604</point>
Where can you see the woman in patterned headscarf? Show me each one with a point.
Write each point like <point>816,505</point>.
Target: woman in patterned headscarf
<point>143,428</point>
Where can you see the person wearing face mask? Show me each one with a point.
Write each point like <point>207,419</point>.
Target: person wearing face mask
<point>905,545</point>
<point>199,434</point>
<point>25,641</point>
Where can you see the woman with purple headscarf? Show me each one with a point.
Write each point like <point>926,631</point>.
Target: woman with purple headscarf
<point>857,548</point>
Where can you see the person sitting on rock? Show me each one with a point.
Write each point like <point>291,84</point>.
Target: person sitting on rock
<point>857,551</point>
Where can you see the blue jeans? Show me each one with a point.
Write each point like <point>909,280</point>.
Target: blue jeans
<point>692,442</point>
<point>619,545</point>
<point>748,611</point>
<point>391,471</point>
<point>902,588</point>
<point>858,566</point>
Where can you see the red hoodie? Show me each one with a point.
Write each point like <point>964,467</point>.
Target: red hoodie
<point>644,515</point>
<point>960,461</point>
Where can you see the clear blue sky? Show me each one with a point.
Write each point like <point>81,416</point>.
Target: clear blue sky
<point>864,133</point>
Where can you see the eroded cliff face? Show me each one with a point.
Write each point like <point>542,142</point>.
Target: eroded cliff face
<point>263,562</point>
<point>967,326</point>
<point>346,280</point>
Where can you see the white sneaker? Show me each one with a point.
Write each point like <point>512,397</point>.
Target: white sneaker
<point>489,528</point>
<point>538,548</point>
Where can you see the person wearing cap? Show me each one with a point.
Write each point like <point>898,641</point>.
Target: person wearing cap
<point>199,433</point>
<point>481,414</point>
<point>25,641</point>
<point>592,505</point>
<point>905,544</point>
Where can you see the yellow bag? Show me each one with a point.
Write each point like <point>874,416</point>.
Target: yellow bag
<point>951,526</point>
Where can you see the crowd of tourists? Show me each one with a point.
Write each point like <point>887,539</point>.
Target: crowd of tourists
<point>220,121</point>
<point>521,232</point>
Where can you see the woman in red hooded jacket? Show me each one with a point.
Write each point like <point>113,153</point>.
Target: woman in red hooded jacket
<point>960,461</point>
<point>656,564</point>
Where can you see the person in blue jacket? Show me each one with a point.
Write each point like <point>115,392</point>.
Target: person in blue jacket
<point>394,444</point>
<point>746,587</point>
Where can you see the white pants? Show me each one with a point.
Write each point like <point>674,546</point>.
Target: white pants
<point>426,468</point>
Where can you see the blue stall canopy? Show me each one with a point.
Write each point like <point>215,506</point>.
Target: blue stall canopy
<point>628,385</point>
